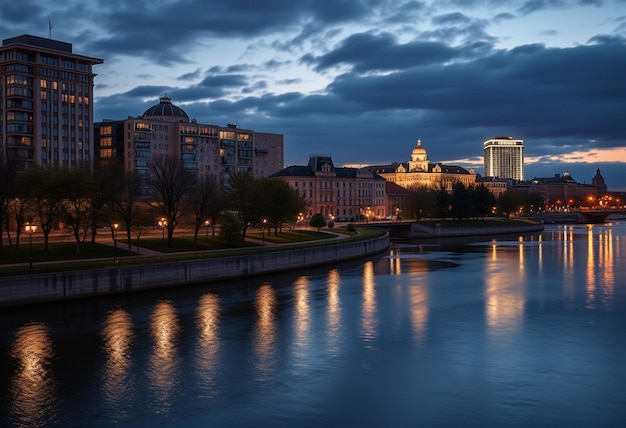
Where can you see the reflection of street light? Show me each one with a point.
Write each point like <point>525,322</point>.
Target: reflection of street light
<point>263,235</point>
<point>162,223</point>
<point>114,228</point>
<point>30,229</point>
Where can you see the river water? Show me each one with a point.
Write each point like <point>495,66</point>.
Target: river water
<point>518,331</point>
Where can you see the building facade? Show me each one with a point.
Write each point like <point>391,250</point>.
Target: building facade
<point>166,130</point>
<point>354,194</point>
<point>419,172</point>
<point>46,103</point>
<point>504,158</point>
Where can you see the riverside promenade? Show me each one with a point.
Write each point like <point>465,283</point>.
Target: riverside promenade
<point>176,270</point>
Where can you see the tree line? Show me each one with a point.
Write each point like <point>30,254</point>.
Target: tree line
<point>467,202</point>
<point>85,201</point>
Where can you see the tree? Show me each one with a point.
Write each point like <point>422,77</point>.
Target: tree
<point>279,202</point>
<point>125,200</point>
<point>204,195</point>
<point>510,201</point>
<point>244,199</point>
<point>169,187</point>
<point>423,202</point>
<point>442,200</point>
<point>8,168</point>
<point>48,199</point>
<point>107,179</point>
<point>77,186</point>
<point>318,220</point>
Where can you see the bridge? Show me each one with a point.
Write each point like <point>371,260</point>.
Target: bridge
<point>594,216</point>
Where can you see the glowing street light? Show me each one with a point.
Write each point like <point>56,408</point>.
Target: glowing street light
<point>207,223</point>
<point>30,229</point>
<point>263,235</point>
<point>162,223</point>
<point>114,227</point>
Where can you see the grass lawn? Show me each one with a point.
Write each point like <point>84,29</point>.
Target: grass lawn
<point>185,243</point>
<point>289,236</point>
<point>60,251</point>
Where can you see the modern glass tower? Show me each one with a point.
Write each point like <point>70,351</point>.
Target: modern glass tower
<point>504,158</point>
<point>46,103</point>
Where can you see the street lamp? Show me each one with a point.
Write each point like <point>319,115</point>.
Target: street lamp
<point>30,229</point>
<point>162,223</point>
<point>114,228</point>
<point>206,224</point>
<point>263,234</point>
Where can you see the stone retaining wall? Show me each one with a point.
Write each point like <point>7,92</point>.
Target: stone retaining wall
<point>44,287</point>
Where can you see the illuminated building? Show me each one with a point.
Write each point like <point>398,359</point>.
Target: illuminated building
<point>420,172</point>
<point>341,192</point>
<point>504,158</point>
<point>46,103</point>
<point>166,130</point>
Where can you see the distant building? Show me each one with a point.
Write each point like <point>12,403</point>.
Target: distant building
<point>562,191</point>
<point>419,172</point>
<point>352,193</point>
<point>504,158</point>
<point>166,130</point>
<point>46,103</point>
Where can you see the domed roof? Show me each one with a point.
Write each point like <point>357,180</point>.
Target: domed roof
<point>419,149</point>
<point>166,110</point>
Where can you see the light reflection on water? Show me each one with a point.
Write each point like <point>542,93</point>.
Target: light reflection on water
<point>524,331</point>
<point>34,401</point>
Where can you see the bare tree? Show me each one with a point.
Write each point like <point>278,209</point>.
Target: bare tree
<point>169,187</point>
<point>48,199</point>
<point>243,197</point>
<point>77,186</point>
<point>125,200</point>
<point>203,198</point>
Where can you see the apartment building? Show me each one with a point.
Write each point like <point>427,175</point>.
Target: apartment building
<point>46,103</point>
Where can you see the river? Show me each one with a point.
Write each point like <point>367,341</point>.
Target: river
<point>517,331</point>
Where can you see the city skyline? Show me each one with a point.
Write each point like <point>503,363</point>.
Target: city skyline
<point>363,81</point>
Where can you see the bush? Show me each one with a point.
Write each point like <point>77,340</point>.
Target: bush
<point>317,221</point>
<point>350,227</point>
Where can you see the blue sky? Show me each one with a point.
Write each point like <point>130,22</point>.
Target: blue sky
<point>363,80</point>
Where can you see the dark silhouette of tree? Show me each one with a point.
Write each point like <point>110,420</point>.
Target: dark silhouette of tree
<point>125,200</point>
<point>244,199</point>
<point>169,187</point>
<point>203,198</point>
<point>423,202</point>
<point>48,199</point>
<point>77,188</point>
<point>442,199</point>
<point>8,168</point>
<point>279,202</point>
<point>318,220</point>
<point>107,179</point>
<point>511,201</point>
<point>484,201</point>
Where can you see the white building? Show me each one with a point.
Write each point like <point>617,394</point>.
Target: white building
<point>504,158</point>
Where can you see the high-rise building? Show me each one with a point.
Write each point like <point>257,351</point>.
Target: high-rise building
<point>504,158</point>
<point>46,103</point>
<point>166,130</point>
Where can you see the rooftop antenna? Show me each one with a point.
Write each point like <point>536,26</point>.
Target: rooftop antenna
<point>50,27</point>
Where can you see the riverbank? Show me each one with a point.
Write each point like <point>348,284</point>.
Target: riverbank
<point>450,228</point>
<point>65,285</point>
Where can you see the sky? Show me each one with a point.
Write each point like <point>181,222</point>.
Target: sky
<point>362,80</point>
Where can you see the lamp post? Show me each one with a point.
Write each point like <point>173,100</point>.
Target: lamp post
<point>162,223</point>
<point>114,228</point>
<point>30,229</point>
<point>263,234</point>
<point>206,224</point>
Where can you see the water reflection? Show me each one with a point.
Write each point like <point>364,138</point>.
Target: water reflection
<point>600,267</point>
<point>302,318</point>
<point>504,291</point>
<point>368,314</point>
<point>207,320</point>
<point>118,337</point>
<point>33,395</point>
<point>265,331</point>
<point>418,297</point>
<point>163,366</point>
<point>334,311</point>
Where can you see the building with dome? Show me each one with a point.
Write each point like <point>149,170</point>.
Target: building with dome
<point>420,172</point>
<point>165,129</point>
